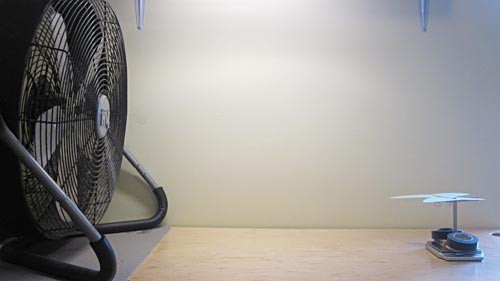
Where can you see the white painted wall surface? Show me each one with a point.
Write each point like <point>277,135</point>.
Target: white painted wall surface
<point>312,113</point>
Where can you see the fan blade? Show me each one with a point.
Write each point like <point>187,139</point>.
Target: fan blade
<point>470,199</point>
<point>95,61</point>
<point>90,79</point>
<point>412,196</point>
<point>60,37</point>
<point>47,137</point>
<point>435,199</point>
<point>456,199</point>
<point>451,195</point>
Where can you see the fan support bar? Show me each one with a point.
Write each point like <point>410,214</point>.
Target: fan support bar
<point>145,175</point>
<point>134,225</point>
<point>455,216</point>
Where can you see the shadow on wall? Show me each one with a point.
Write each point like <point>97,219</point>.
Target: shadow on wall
<point>132,199</point>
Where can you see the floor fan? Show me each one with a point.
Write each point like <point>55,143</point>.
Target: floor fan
<point>63,109</point>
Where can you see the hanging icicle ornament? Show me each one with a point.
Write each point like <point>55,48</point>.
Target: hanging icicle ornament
<point>423,12</point>
<point>139,13</point>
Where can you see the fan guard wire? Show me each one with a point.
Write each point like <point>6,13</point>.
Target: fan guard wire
<point>76,55</point>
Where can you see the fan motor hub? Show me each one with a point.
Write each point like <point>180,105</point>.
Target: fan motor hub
<point>103,116</point>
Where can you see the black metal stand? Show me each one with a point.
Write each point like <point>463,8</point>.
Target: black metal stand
<point>155,220</point>
<point>18,251</point>
<point>134,225</point>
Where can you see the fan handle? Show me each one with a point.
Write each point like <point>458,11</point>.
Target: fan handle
<point>14,252</point>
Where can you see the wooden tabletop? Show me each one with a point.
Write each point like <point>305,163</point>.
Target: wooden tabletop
<point>310,254</point>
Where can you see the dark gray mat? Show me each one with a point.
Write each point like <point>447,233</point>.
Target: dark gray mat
<point>131,249</point>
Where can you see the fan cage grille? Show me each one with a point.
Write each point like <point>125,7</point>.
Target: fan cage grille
<point>77,54</point>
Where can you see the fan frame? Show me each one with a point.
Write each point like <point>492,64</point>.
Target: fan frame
<point>18,30</point>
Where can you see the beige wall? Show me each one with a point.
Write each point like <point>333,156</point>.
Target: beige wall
<point>312,113</point>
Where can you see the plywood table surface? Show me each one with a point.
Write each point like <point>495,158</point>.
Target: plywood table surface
<point>310,254</point>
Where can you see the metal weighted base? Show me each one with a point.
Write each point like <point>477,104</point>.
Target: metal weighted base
<point>439,250</point>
